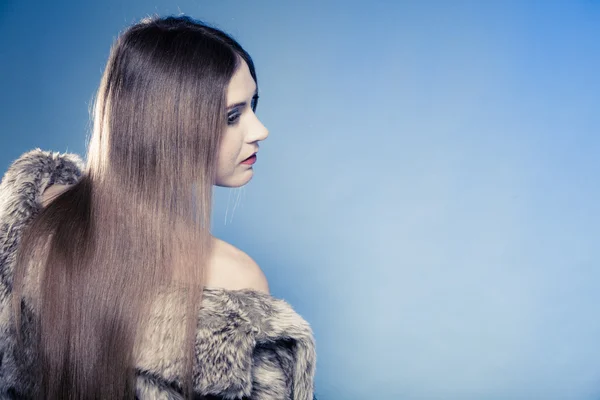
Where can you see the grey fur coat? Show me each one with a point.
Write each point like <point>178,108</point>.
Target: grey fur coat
<point>249,344</point>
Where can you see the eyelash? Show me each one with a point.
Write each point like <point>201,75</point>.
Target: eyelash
<point>234,116</point>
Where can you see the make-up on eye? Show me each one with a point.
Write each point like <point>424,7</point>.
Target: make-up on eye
<point>254,103</point>
<point>233,117</point>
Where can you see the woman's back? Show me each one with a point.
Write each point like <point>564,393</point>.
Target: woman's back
<point>228,267</point>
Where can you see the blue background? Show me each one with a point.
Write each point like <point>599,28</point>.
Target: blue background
<point>428,197</point>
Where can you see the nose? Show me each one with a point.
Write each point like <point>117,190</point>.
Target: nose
<point>258,131</point>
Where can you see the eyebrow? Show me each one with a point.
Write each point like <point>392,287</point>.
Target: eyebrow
<point>243,103</point>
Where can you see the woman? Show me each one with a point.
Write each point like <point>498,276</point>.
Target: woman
<point>112,286</point>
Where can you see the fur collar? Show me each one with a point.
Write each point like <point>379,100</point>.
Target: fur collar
<point>250,345</point>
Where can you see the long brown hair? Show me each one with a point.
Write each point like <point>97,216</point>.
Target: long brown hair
<point>138,219</point>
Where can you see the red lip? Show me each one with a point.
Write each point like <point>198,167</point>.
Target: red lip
<point>250,160</point>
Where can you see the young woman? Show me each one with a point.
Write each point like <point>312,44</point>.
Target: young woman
<point>111,284</point>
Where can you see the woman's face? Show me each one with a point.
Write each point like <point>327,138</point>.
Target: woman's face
<point>243,132</point>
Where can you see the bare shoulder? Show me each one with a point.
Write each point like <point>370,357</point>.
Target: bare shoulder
<point>233,269</point>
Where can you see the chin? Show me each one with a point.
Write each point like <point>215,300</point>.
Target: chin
<point>235,181</point>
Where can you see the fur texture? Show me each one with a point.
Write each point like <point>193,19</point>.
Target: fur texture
<point>249,345</point>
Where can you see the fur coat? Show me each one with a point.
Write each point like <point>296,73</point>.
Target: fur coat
<point>249,345</point>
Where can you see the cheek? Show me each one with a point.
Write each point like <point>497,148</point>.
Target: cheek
<point>228,153</point>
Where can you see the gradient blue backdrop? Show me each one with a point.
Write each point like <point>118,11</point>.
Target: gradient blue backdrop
<point>428,197</point>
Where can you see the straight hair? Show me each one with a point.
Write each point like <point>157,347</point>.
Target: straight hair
<point>138,220</point>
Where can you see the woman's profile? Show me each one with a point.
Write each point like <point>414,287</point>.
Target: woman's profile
<point>111,283</point>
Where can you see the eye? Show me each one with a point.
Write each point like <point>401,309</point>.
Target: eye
<point>233,117</point>
<point>254,103</point>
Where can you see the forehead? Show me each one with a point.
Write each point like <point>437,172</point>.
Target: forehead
<point>241,86</point>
